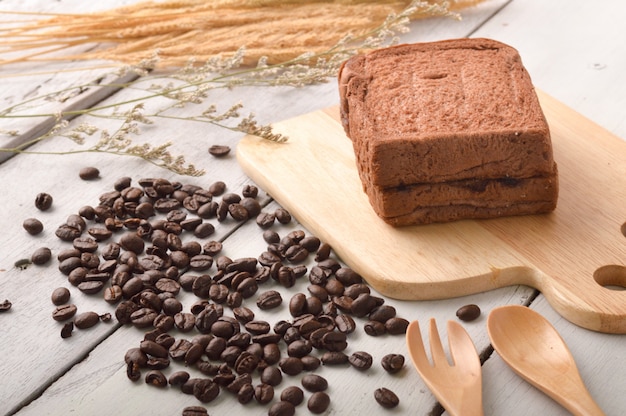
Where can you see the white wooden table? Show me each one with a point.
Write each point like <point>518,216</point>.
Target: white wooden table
<point>574,51</point>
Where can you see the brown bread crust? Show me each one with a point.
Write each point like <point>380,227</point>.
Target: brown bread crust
<point>430,121</point>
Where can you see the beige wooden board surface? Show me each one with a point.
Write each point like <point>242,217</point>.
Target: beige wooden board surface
<point>314,176</point>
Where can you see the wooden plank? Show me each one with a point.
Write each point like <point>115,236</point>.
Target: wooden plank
<point>557,253</point>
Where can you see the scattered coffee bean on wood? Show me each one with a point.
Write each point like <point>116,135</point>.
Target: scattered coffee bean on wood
<point>219,150</point>
<point>60,296</point>
<point>33,226</point>
<point>5,305</point>
<point>41,256</point>
<point>386,398</point>
<point>468,313</point>
<point>43,201</point>
<point>318,402</point>
<point>392,363</point>
<point>89,173</point>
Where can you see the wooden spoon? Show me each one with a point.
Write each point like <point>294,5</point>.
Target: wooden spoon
<point>532,347</point>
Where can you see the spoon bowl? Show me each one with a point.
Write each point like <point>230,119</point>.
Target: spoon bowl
<point>533,348</point>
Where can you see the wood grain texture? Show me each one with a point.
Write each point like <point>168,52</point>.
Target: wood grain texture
<point>314,176</point>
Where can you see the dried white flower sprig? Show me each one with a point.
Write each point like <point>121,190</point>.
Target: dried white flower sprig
<point>193,84</point>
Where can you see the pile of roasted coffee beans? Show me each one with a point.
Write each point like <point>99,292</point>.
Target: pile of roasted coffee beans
<point>132,248</point>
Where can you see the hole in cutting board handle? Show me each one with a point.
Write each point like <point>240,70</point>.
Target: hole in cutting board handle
<point>611,277</point>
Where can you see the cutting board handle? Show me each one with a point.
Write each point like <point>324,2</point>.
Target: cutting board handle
<point>593,306</point>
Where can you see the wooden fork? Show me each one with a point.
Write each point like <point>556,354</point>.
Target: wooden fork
<point>457,386</point>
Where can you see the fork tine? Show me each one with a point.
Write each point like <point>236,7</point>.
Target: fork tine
<point>417,351</point>
<point>461,345</point>
<point>436,348</point>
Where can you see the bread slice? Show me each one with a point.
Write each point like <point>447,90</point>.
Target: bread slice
<point>428,120</point>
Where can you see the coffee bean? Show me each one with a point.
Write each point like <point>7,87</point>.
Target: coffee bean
<point>184,321</point>
<point>143,317</point>
<point>156,378</point>
<point>374,328</point>
<point>67,329</point>
<point>64,312</point>
<point>132,242</point>
<point>345,323</point>
<point>314,383</point>
<point>89,173</point>
<point>396,326</point>
<point>219,150</point>
<point>318,402</point>
<point>386,398</point>
<point>468,312</point>
<point>41,256</point>
<point>291,365</point>
<point>282,216</point>
<point>269,300</point>
<point>265,220</point>
<point>282,408</point>
<point>392,363</point>
<point>272,376</point>
<point>245,393</point>
<point>263,393</point>
<point>195,411</point>
<point>293,395</point>
<point>206,390</point>
<point>32,226</point>
<point>334,358</point>
<point>178,378</point>
<point>361,360</point>
<point>60,296</point>
<point>43,201</point>
<point>90,287</point>
<point>86,320</point>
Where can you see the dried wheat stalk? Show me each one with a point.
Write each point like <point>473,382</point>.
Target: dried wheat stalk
<point>180,30</point>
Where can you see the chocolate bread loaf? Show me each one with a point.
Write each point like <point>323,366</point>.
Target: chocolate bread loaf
<point>430,121</point>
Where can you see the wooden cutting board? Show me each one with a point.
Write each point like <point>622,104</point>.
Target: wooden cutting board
<point>575,256</point>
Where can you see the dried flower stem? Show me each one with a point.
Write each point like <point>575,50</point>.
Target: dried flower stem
<point>193,82</point>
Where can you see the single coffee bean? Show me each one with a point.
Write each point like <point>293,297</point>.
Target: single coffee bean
<point>89,173</point>
<point>178,378</point>
<point>60,296</point>
<point>334,358</point>
<point>43,201</point>
<point>468,312</point>
<point>156,378</point>
<point>269,299</point>
<point>263,393</point>
<point>41,256</point>
<point>318,402</point>
<point>382,313</point>
<point>184,321</point>
<point>374,328</point>
<point>143,317</point>
<point>392,363</point>
<point>206,390</point>
<point>314,382</point>
<point>67,329</point>
<point>132,242</point>
<point>345,323</point>
<point>272,376</point>
<point>282,408</point>
<point>360,360</point>
<point>86,320</point>
<point>195,411</point>
<point>396,326</point>
<point>293,395</point>
<point>245,393</point>
<point>265,220</point>
<point>64,312</point>
<point>291,366</point>
<point>282,216</point>
<point>32,226</point>
<point>386,398</point>
<point>90,287</point>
